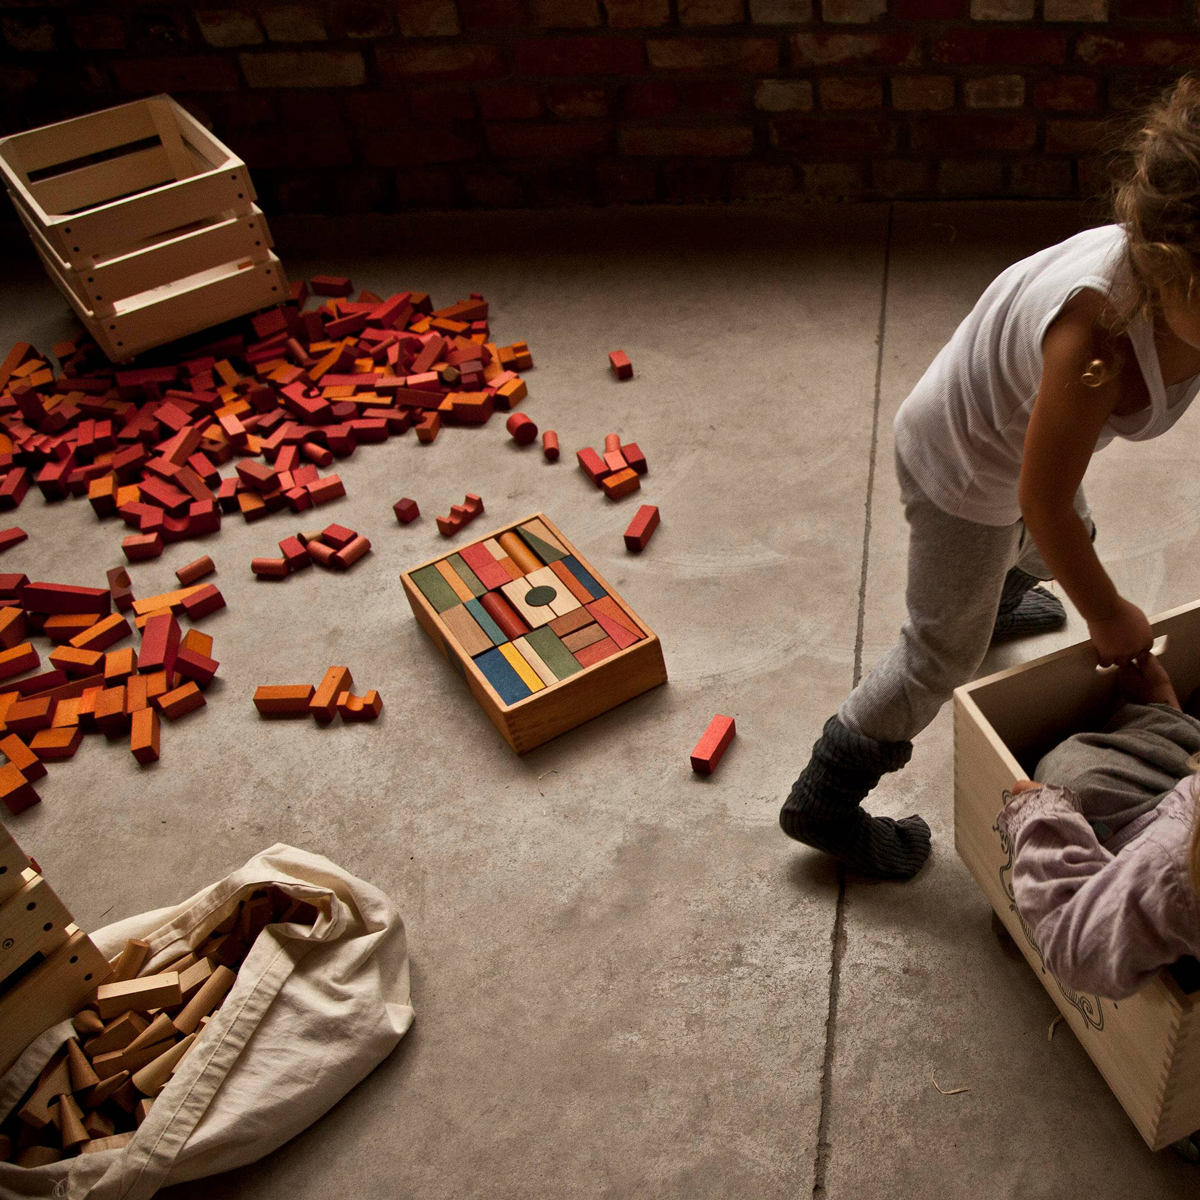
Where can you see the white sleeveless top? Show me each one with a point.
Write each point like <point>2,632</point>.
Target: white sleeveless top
<point>961,431</point>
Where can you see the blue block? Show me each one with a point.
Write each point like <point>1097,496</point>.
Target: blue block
<point>501,676</point>
<point>572,564</point>
<point>486,623</point>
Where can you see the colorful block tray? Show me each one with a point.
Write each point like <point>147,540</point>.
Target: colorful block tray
<point>541,639</point>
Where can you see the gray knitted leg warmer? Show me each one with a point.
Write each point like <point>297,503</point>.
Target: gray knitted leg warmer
<point>823,808</point>
<point>1026,608</point>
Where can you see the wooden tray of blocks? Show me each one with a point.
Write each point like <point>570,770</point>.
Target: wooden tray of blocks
<point>1147,1047</point>
<point>144,221</point>
<point>542,640</point>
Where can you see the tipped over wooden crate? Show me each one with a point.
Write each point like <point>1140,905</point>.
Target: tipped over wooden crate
<point>48,966</point>
<point>1147,1046</point>
<point>145,222</point>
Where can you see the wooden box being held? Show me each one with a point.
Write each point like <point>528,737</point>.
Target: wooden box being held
<point>145,222</point>
<point>1146,1046</point>
<point>584,650</point>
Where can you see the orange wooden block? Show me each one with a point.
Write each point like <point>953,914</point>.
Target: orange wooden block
<point>28,716</point>
<point>110,715</point>
<point>287,700</point>
<point>16,791</point>
<point>17,660</point>
<point>12,627</point>
<point>137,693</point>
<point>143,735</point>
<point>54,745</point>
<point>24,757</point>
<point>180,702</point>
<point>119,665</point>
<point>621,484</point>
<point>571,583</point>
<point>77,662</point>
<point>66,713</point>
<point>360,708</point>
<point>323,705</point>
<point>65,626</point>
<point>197,643</point>
<point>103,634</point>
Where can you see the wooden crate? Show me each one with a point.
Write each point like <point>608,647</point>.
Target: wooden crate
<point>48,966</point>
<point>145,222</point>
<point>1146,1047</point>
<point>557,706</point>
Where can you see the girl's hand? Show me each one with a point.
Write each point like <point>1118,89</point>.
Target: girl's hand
<point>1023,785</point>
<point>1122,636</point>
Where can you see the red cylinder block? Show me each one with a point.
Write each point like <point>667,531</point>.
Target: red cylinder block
<point>521,429</point>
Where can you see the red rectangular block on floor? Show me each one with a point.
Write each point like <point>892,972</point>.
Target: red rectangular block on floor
<point>160,645</point>
<point>181,701</point>
<point>10,537</point>
<point>710,749</point>
<point>207,600</point>
<point>15,790</point>
<point>64,598</point>
<point>591,464</point>
<point>641,527</point>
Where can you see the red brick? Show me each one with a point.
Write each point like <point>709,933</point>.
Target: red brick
<point>850,92</point>
<point>419,144</point>
<point>627,182</point>
<point>1095,177</point>
<point>1002,10</point>
<point>637,14</point>
<point>1075,10</point>
<point>492,14</point>
<point>847,49</point>
<point>953,135</point>
<point>972,177</point>
<point>227,27</point>
<point>1078,137</point>
<point>98,31</point>
<point>1000,47</point>
<point>191,73</point>
<point>784,95</point>
<point>834,181</point>
<point>1066,93</point>
<point>761,181</point>
<point>304,69</point>
<point>674,141</point>
<point>1041,177</point>
<point>715,96</point>
<point>30,34</point>
<point>548,141</point>
<point>447,61</point>
<point>363,20</point>
<point>914,92</point>
<point>692,54</point>
<point>832,136</point>
<point>508,102</point>
<point>493,188</point>
<point>711,12</point>
<point>694,182</point>
<point>565,14</point>
<point>781,12</point>
<point>929,10</point>
<point>901,177</point>
<point>1147,10</point>
<point>852,12</point>
<point>427,188</point>
<point>302,23</point>
<point>367,109</point>
<point>580,56</point>
<point>441,104</point>
<point>428,18</point>
<point>284,146</point>
<point>649,98</point>
<point>1139,50</point>
<point>994,91</point>
<point>577,100</point>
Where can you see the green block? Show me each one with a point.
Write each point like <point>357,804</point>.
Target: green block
<point>434,588</point>
<point>467,575</point>
<point>540,546</point>
<point>554,654</point>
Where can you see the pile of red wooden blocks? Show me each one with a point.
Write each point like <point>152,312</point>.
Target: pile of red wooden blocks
<point>90,685</point>
<point>617,472</point>
<point>335,547</point>
<point>286,396</point>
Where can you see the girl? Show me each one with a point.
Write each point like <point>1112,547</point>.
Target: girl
<point>1095,338</point>
<point>1107,916</point>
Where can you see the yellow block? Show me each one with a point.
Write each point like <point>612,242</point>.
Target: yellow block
<point>527,673</point>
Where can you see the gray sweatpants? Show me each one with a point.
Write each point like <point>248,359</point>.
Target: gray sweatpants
<point>956,571</point>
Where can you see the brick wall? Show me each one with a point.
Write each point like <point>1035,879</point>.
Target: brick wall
<point>359,107</point>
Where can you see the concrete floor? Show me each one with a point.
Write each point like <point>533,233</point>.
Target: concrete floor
<point>627,981</point>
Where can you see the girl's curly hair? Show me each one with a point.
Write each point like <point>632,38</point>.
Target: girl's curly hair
<point>1157,200</point>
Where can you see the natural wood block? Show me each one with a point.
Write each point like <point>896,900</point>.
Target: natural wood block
<point>130,961</point>
<point>527,717</point>
<point>118,1033</point>
<point>589,635</point>
<point>274,700</point>
<point>138,995</point>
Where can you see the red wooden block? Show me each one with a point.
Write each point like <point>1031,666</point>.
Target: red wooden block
<point>321,554</point>
<point>503,613</point>
<point>160,644</point>
<point>609,618</point>
<point>635,458</point>
<point>550,445</point>
<point>207,600</point>
<point>28,716</point>
<point>641,527</point>
<point>614,460</point>
<point>622,368</point>
<point>710,749</point>
<point>330,285</point>
<point>597,652</point>
<point>294,553</point>
<point>24,757</point>
<point>350,553</point>
<point>258,476</point>
<point>188,575</point>
<point>489,572</point>
<point>10,537</point>
<point>15,790</point>
<point>199,668</point>
<point>521,429</point>
<point>139,547</point>
<point>324,490</point>
<point>181,701</point>
<point>406,511</point>
<point>338,536</point>
<point>64,598</point>
<point>270,568</point>
<point>18,659</point>
<point>591,464</point>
